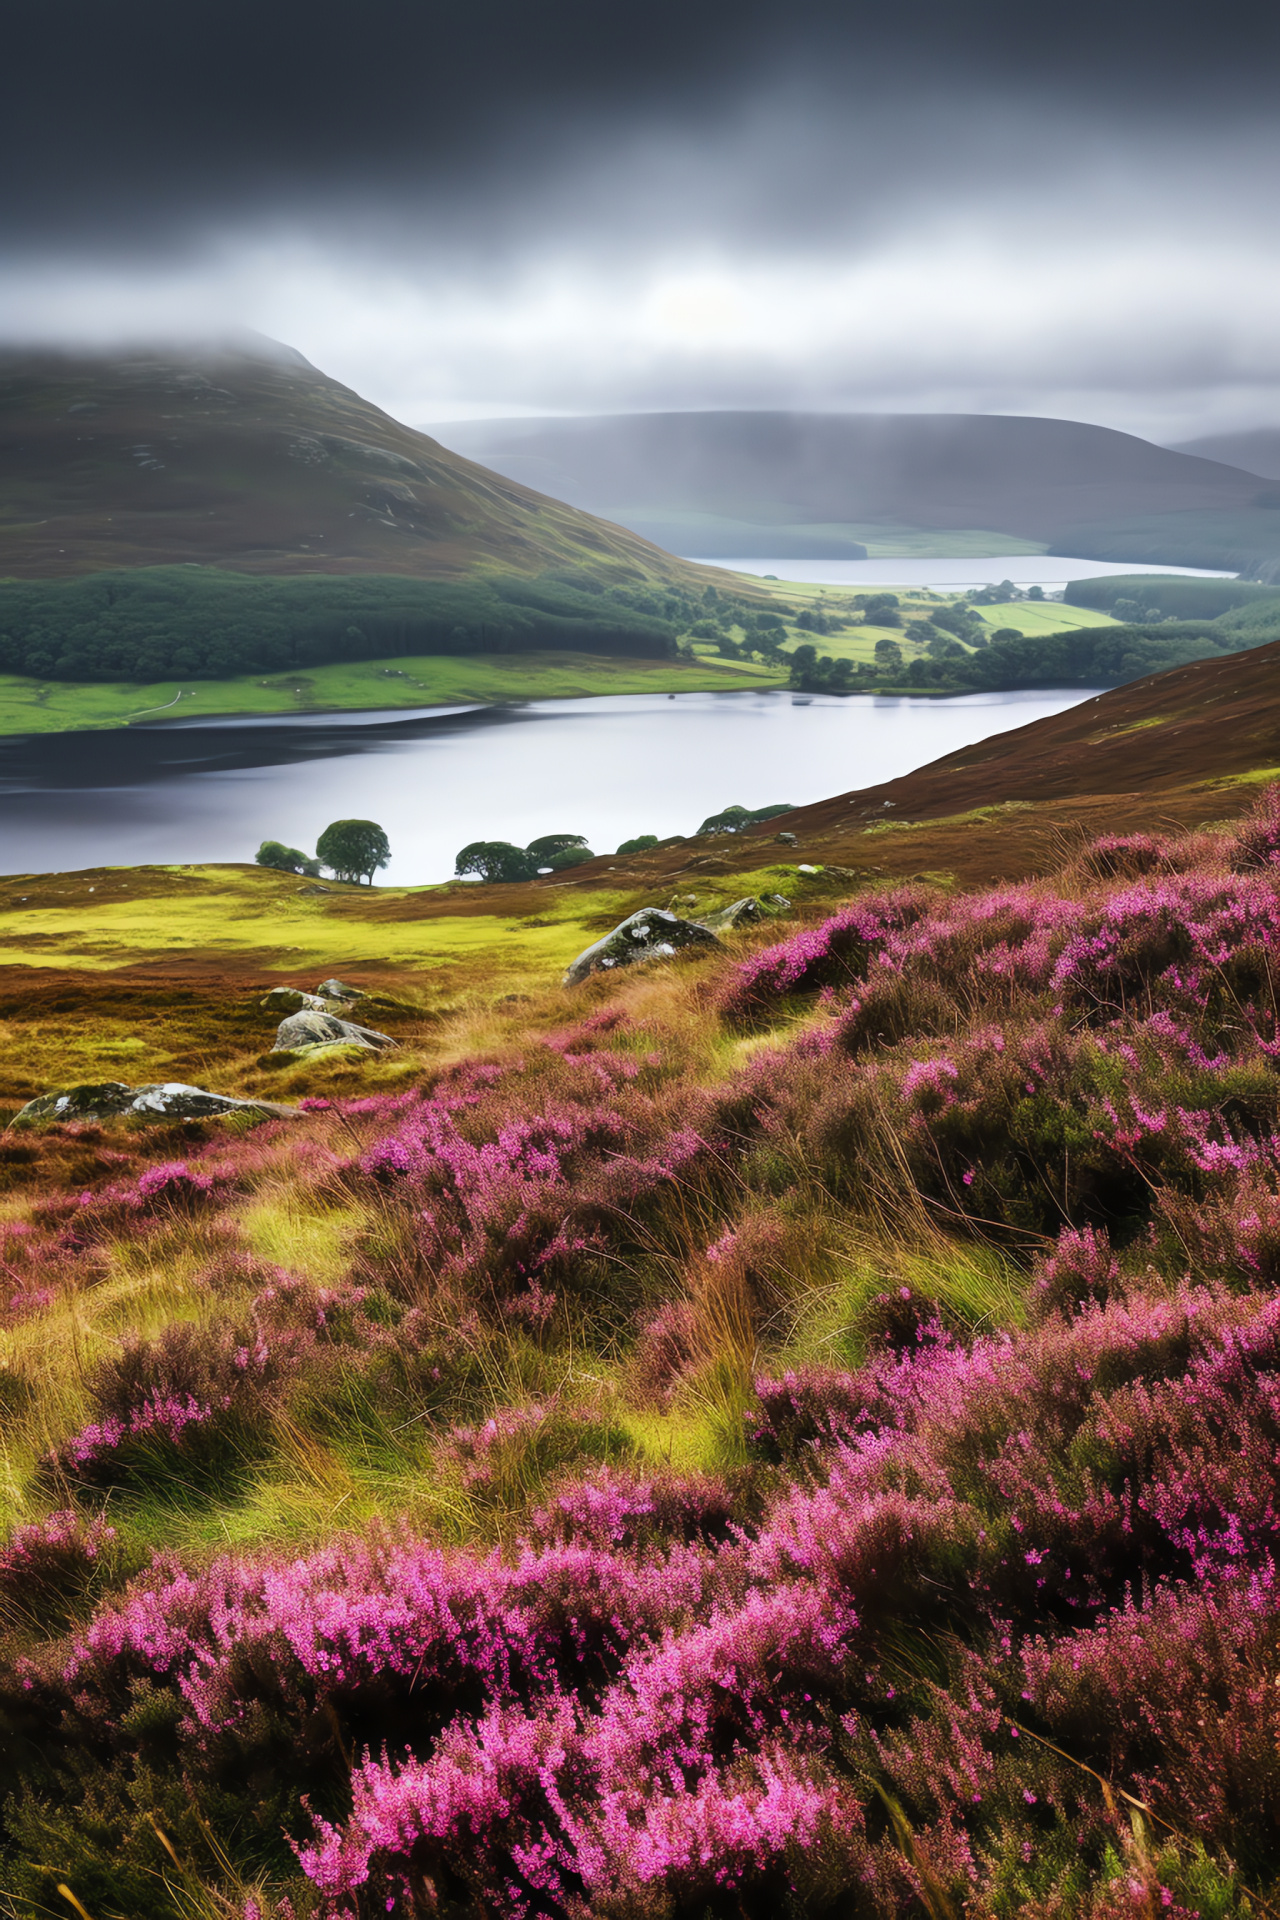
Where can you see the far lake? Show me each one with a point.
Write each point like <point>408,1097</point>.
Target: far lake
<point>609,768</point>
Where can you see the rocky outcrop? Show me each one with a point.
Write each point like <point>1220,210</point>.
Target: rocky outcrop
<point>300,1032</point>
<point>293,1000</point>
<point>159,1100</point>
<point>742,913</point>
<point>339,990</point>
<point>651,934</point>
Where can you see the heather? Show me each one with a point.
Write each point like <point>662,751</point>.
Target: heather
<point>793,1431</point>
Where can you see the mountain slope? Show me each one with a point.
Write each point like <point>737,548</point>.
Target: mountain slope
<point>253,459</point>
<point>1258,450</point>
<point>796,479</point>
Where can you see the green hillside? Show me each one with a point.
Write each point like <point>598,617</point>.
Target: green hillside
<point>253,459</point>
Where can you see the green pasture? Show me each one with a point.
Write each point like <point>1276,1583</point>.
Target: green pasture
<point>237,913</point>
<point>35,706</point>
<point>1044,616</point>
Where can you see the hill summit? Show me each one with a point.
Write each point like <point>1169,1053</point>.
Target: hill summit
<point>802,485</point>
<point>249,457</point>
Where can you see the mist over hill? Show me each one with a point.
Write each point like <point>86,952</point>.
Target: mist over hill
<point>248,457</point>
<point>1258,450</point>
<point>801,485</point>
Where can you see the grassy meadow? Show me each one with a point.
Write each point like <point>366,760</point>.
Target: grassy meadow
<point>29,705</point>
<point>787,1429</point>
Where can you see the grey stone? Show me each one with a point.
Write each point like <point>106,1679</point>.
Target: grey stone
<point>787,839</point>
<point>172,1100</point>
<point>651,934</point>
<point>293,1000</point>
<point>777,901</point>
<point>338,990</point>
<point>742,913</point>
<point>159,1100</point>
<point>300,1031</point>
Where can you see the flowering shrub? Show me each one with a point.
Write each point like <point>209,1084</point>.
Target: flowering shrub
<point>974,1610</point>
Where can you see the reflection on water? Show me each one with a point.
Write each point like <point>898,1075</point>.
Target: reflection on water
<point>609,768</point>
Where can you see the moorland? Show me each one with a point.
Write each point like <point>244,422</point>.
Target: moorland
<point>788,1428</point>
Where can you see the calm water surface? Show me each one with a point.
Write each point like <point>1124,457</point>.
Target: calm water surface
<point>1048,570</point>
<point>609,768</point>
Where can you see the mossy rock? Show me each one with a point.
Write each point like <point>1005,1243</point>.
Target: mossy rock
<point>293,1000</point>
<point>159,1100</point>
<point>301,1032</point>
<point>651,934</point>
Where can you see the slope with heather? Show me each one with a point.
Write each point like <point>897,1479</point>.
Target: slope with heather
<point>788,1430</point>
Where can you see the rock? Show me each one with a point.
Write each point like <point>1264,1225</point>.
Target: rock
<point>91,1100</point>
<point>809,870</point>
<point>651,934</point>
<point>778,902</point>
<point>159,1100</point>
<point>338,990</point>
<point>309,1029</point>
<point>293,1000</point>
<point>787,839</point>
<point>172,1100</point>
<point>743,913</point>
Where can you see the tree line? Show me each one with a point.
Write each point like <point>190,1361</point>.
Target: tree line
<point>203,623</point>
<point>1087,657</point>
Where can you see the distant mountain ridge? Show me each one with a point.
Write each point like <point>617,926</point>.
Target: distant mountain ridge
<point>1257,450</point>
<point>799,484</point>
<point>248,457</point>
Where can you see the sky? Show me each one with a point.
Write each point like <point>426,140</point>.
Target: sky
<point>496,207</point>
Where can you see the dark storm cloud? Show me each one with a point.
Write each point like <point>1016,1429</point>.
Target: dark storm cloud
<point>495,206</point>
<point>125,121</point>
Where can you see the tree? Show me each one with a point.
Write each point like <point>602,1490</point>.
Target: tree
<point>548,844</point>
<point>642,841</point>
<point>353,849</point>
<point>285,859</point>
<point>496,860</point>
<point>888,653</point>
<point>729,820</point>
<point>738,819</point>
<point>567,857</point>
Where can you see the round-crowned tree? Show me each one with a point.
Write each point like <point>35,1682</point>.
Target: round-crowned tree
<point>353,849</point>
<point>496,860</point>
<point>285,859</point>
<point>552,843</point>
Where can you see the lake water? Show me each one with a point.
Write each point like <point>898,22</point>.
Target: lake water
<point>1047,570</point>
<point>609,768</point>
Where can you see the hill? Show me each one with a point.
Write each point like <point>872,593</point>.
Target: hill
<point>1258,450</point>
<point>252,459</point>
<point>803,485</point>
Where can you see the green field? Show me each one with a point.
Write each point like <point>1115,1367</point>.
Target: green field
<point>34,706</point>
<point>1044,616</point>
<point>30,705</point>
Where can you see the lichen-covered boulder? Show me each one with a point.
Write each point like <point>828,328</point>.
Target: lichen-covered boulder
<point>299,1031</point>
<point>173,1100</point>
<point>159,1100</point>
<point>651,934</point>
<point>742,913</point>
<point>293,1000</point>
<point>89,1100</point>
<point>339,990</point>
